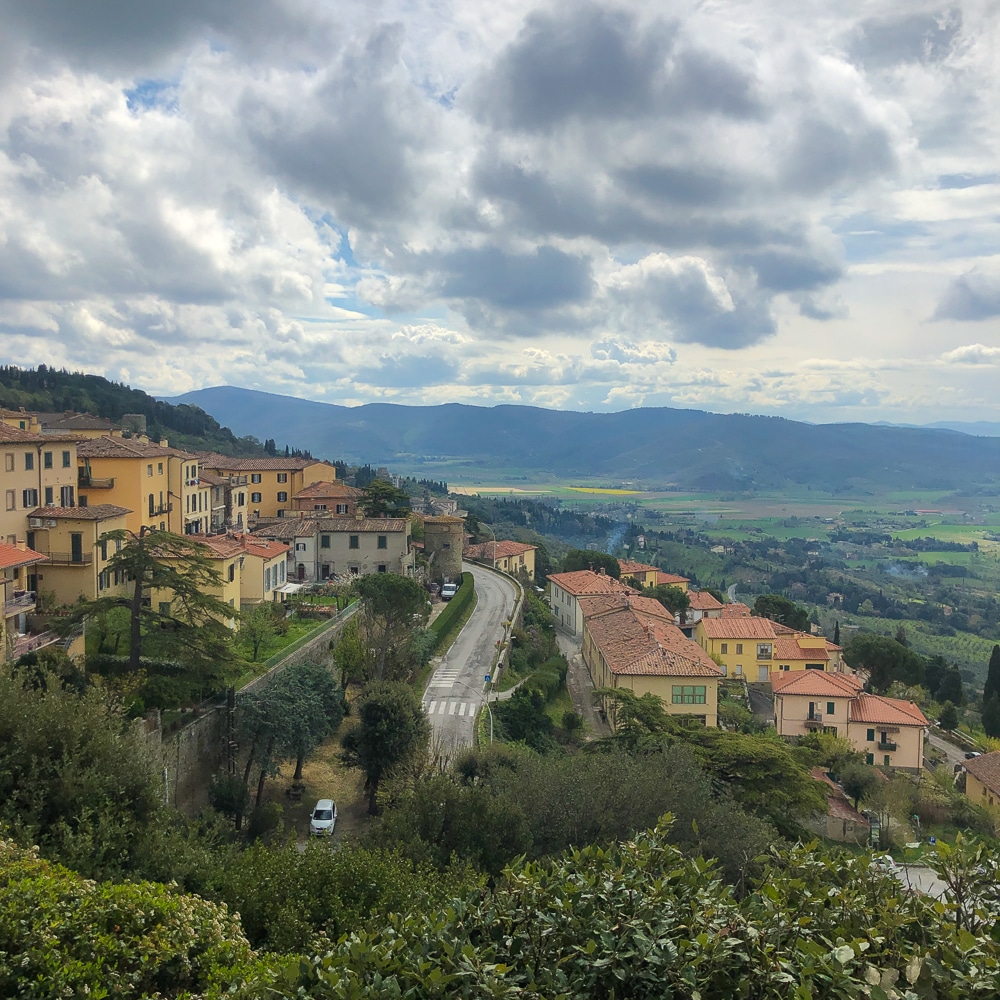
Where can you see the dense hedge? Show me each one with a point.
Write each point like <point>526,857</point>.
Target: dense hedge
<point>457,606</point>
<point>65,936</point>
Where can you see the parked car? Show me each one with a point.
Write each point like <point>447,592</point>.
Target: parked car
<point>884,863</point>
<point>323,819</point>
<point>972,753</point>
<point>448,591</point>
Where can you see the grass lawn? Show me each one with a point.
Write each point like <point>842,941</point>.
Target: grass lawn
<point>559,706</point>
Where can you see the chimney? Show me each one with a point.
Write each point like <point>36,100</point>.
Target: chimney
<point>602,571</point>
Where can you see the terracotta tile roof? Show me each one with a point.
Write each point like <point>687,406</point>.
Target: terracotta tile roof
<point>504,549</point>
<point>95,512</point>
<point>702,600</point>
<point>11,556</point>
<point>74,421</point>
<point>787,647</point>
<point>261,464</point>
<point>670,579</point>
<point>109,447</point>
<point>585,581</point>
<point>219,546</point>
<point>986,769</point>
<point>15,435</point>
<point>298,527</point>
<point>599,604</point>
<point>321,490</point>
<point>444,519</point>
<point>815,684</point>
<point>736,610</point>
<point>212,479</point>
<point>875,709</point>
<point>262,547</point>
<point>737,628</point>
<point>637,644</point>
<point>838,805</point>
<point>632,568</point>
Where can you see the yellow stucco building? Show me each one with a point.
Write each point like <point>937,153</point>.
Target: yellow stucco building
<point>272,481</point>
<point>77,557</point>
<point>506,556</point>
<point>632,643</point>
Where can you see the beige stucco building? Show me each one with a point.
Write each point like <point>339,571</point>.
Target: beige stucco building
<point>507,556</point>
<point>888,731</point>
<point>982,780</point>
<point>18,567</point>
<point>272,481</point>
<point>265,569</point>
<point>565,589</point>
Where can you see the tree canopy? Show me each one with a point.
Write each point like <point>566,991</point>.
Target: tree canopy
<point>884,660</point>
<point>577,559</point>
<point>393,607</point>
<point>781,609</point>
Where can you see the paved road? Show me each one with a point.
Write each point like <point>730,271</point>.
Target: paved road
<point>953,754</point>
<point>455,691</point>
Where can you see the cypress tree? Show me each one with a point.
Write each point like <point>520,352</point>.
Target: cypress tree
<point>836,634</point>
<point>992,676</point>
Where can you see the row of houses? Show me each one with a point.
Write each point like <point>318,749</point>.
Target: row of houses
<point>68,479</point>
<point>630,641</point>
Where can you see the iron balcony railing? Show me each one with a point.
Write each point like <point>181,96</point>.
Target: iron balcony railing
<point>70,558</point>
<point>87,482</point>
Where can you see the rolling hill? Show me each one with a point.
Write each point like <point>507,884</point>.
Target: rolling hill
<point>659,447</point>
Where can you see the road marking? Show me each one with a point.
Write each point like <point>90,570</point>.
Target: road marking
<point>430,707</point>
<point>454,706</point>
<point>442,707</point>
<point>462,708</point>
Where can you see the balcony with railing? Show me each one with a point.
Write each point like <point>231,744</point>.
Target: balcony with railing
<point>886,746</point>
<point>237,480</point>
<point>815,721</point>
<point>19,604</point>
<point>161,508</point>
<point>85,481</point>
<point>28,643</point>
<point>70,558</point>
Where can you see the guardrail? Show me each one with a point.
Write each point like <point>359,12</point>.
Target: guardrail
<point>70,558</point>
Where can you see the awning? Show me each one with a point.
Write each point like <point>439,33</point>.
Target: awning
<point>290,588</point>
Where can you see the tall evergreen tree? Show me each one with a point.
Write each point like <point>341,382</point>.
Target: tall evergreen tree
<point>992,676</point>
<point>836,634</point>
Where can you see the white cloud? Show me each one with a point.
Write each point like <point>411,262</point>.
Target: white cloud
<point>584,203</point>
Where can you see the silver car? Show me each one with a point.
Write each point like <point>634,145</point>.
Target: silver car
<point>323,819</point>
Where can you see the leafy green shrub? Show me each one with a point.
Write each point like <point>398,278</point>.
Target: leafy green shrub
<point>457,607</point>
<point>62,935</point>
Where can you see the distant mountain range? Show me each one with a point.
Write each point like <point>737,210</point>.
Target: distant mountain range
<point>658,447</point>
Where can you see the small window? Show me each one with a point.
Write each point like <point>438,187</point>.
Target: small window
<point>282,477</point>
<point>66,496</point>
<point>885,760</point>
<point>688,694</point>
<point>341,508</point>
<point>382,568</point>
<point>763,651</point>
<point>725,647</point>
<point>149,470</point>
<point>739,648</point>
<point>103,546</point>
<point>232,572</point>
<point>355,542</point>
<point>254,498</point>
<point>159,468</point>
<point>383,542</point>
<point>871,737</point>
<point>282,497</point>
<point>254,477</point>
<point>8,462</point>
<point>830,708</point>
<point>11,500</point>
<point>65,459</point>
<point>47,460</point>
<point>29,461</point>
<point>870,758</point>
<point>48,496</point>
<point>324,542</point>
<point>738,671</point>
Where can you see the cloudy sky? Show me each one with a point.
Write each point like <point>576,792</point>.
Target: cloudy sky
<point>769,206</point>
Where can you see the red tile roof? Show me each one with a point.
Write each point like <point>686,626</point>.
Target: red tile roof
<point>788,647</point>
<point>815,684</point>
<point>585,581</point>
<point>260,464</point>
<point>670,579</point>
<point>503,550</point>
<point>95,512</point>
<point>737,628</point>
<point>702,600</point>
<point>736,610</point>
<point>634,568</point>
<point>262,547</point>
<point>986,769</point>
<point>875,709</point>
<point>638,644</point>
<point>11,556</point>
<point>598,604</point>
<point>109,447</point>
<point>335,490</point>
<point>14,435</point>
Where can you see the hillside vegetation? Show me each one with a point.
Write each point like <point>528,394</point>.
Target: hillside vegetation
<point>687,449</point>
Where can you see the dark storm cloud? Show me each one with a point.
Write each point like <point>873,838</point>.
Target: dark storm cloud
<point>584,60</point>
<point>351,142</point>
<point>972,296</point>
<point>125,34</point>
<point>913,37</point>
<point>528,282</point>
<point>827,154</point>
<point>786,271</point>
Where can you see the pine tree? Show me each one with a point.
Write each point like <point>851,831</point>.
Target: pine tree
<point>992,687</point>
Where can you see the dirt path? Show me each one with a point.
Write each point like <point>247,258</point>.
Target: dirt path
<point>581,689</point>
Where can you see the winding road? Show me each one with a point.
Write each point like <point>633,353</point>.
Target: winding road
<point>455,691</point>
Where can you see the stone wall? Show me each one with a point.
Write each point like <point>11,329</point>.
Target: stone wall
<point>189,757</point>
